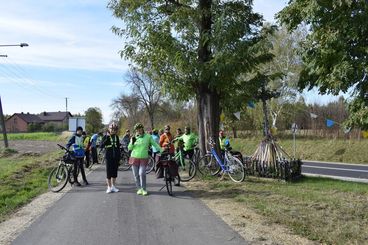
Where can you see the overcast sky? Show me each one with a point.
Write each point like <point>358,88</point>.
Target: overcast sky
<point>72,54</point>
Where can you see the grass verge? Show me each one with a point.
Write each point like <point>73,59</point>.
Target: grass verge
<point>324,210</point>
<point>36,136</point>
<point>22,179</point>
<point>349,151</point>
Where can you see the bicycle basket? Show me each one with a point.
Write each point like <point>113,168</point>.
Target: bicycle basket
<point>173,168</point>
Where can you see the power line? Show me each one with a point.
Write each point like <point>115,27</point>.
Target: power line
<point>12,73</point>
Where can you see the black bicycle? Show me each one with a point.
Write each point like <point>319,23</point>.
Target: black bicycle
<point>61,174</point>
<point>170,171</point>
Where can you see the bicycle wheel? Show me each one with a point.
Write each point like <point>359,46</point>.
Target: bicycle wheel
<point>150,165</point>
<point>124,163</point>
<point>168,181</point>
<point>58,178</point>
<point>208,166</point>
<point>101,156</point>
<point>235,169</point>
<point>187,170</point>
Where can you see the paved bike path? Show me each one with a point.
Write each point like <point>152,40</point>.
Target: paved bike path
<point>353,172</point>
<point>87,215</point>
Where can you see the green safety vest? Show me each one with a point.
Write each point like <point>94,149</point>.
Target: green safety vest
<point>113,142</point>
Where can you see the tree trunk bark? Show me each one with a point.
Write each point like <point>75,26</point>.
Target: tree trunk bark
<point>265,120</point>
<point>208,118</point>
<point>234,132</point>
<point>207,99</point>
<point>151,120</point>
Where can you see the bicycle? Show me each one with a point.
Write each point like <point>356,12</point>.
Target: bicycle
<point>167,162</point>
<point>124,161</point>
<point>61,175</point>
<point>101,155</point>
<point>187,168</point>
<point>212,164</point>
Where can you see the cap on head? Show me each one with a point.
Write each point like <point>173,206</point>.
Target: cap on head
<point>79,128</point>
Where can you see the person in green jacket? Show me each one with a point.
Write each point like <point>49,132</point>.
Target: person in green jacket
<point>190,140</point>
<point>139,145</point>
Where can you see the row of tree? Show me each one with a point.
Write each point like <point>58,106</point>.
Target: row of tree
<point>218,54</point>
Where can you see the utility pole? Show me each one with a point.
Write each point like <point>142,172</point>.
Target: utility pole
<point>66,104</point>
<point>2,121</point>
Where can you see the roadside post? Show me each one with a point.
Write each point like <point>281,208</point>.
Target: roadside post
<point>294,129</point>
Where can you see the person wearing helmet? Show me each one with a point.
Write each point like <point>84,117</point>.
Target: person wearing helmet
<point>166,140</point>
<point>112,145</point>
<point>190,140</point>
<point>76,141</point>
<point>139,145</point>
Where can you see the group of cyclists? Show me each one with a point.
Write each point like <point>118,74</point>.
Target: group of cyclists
<point>140,146</point>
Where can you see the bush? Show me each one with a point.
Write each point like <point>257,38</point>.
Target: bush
<point>34,127</point>
<point>49,127</point>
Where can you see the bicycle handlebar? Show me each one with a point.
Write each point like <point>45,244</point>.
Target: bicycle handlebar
<point>63,148</point>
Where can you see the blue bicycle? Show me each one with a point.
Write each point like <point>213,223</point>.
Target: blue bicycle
<point>212,164</point>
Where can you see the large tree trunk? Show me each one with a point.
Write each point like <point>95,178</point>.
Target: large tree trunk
<point>208,118</point>
<point>207,99</point>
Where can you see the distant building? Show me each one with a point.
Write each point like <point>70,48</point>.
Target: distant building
<point>20,122</point>
<point>77,122</point>
<point>57,118</point>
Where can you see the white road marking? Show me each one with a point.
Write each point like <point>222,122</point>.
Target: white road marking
<point>341,169</point>
<point>338,177</point>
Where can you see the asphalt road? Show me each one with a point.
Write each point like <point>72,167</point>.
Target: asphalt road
<point>87,215</point>
<point>346,171</point>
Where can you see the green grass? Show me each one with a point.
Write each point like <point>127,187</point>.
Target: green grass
<point>34,136</point>
<point>22,179</point>
<point>325,210</point>
<point>350,151</point>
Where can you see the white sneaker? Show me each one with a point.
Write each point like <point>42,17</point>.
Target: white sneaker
<point>114,189</point>
<point>108,190</point>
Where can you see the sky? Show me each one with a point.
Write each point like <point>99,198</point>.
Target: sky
<point>72,54</point>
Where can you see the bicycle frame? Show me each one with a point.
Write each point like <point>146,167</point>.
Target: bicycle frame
<point>223,165</point>
<point>179,156</point>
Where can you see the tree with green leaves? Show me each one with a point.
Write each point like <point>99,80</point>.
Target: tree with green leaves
<point>93,120</point>
<point>196,48</point>
<point>336,49</point>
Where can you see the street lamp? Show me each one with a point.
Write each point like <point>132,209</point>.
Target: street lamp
<point>16,45</point>
<point>2,121</point>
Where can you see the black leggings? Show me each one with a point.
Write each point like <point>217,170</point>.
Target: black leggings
<point>112,168</point>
